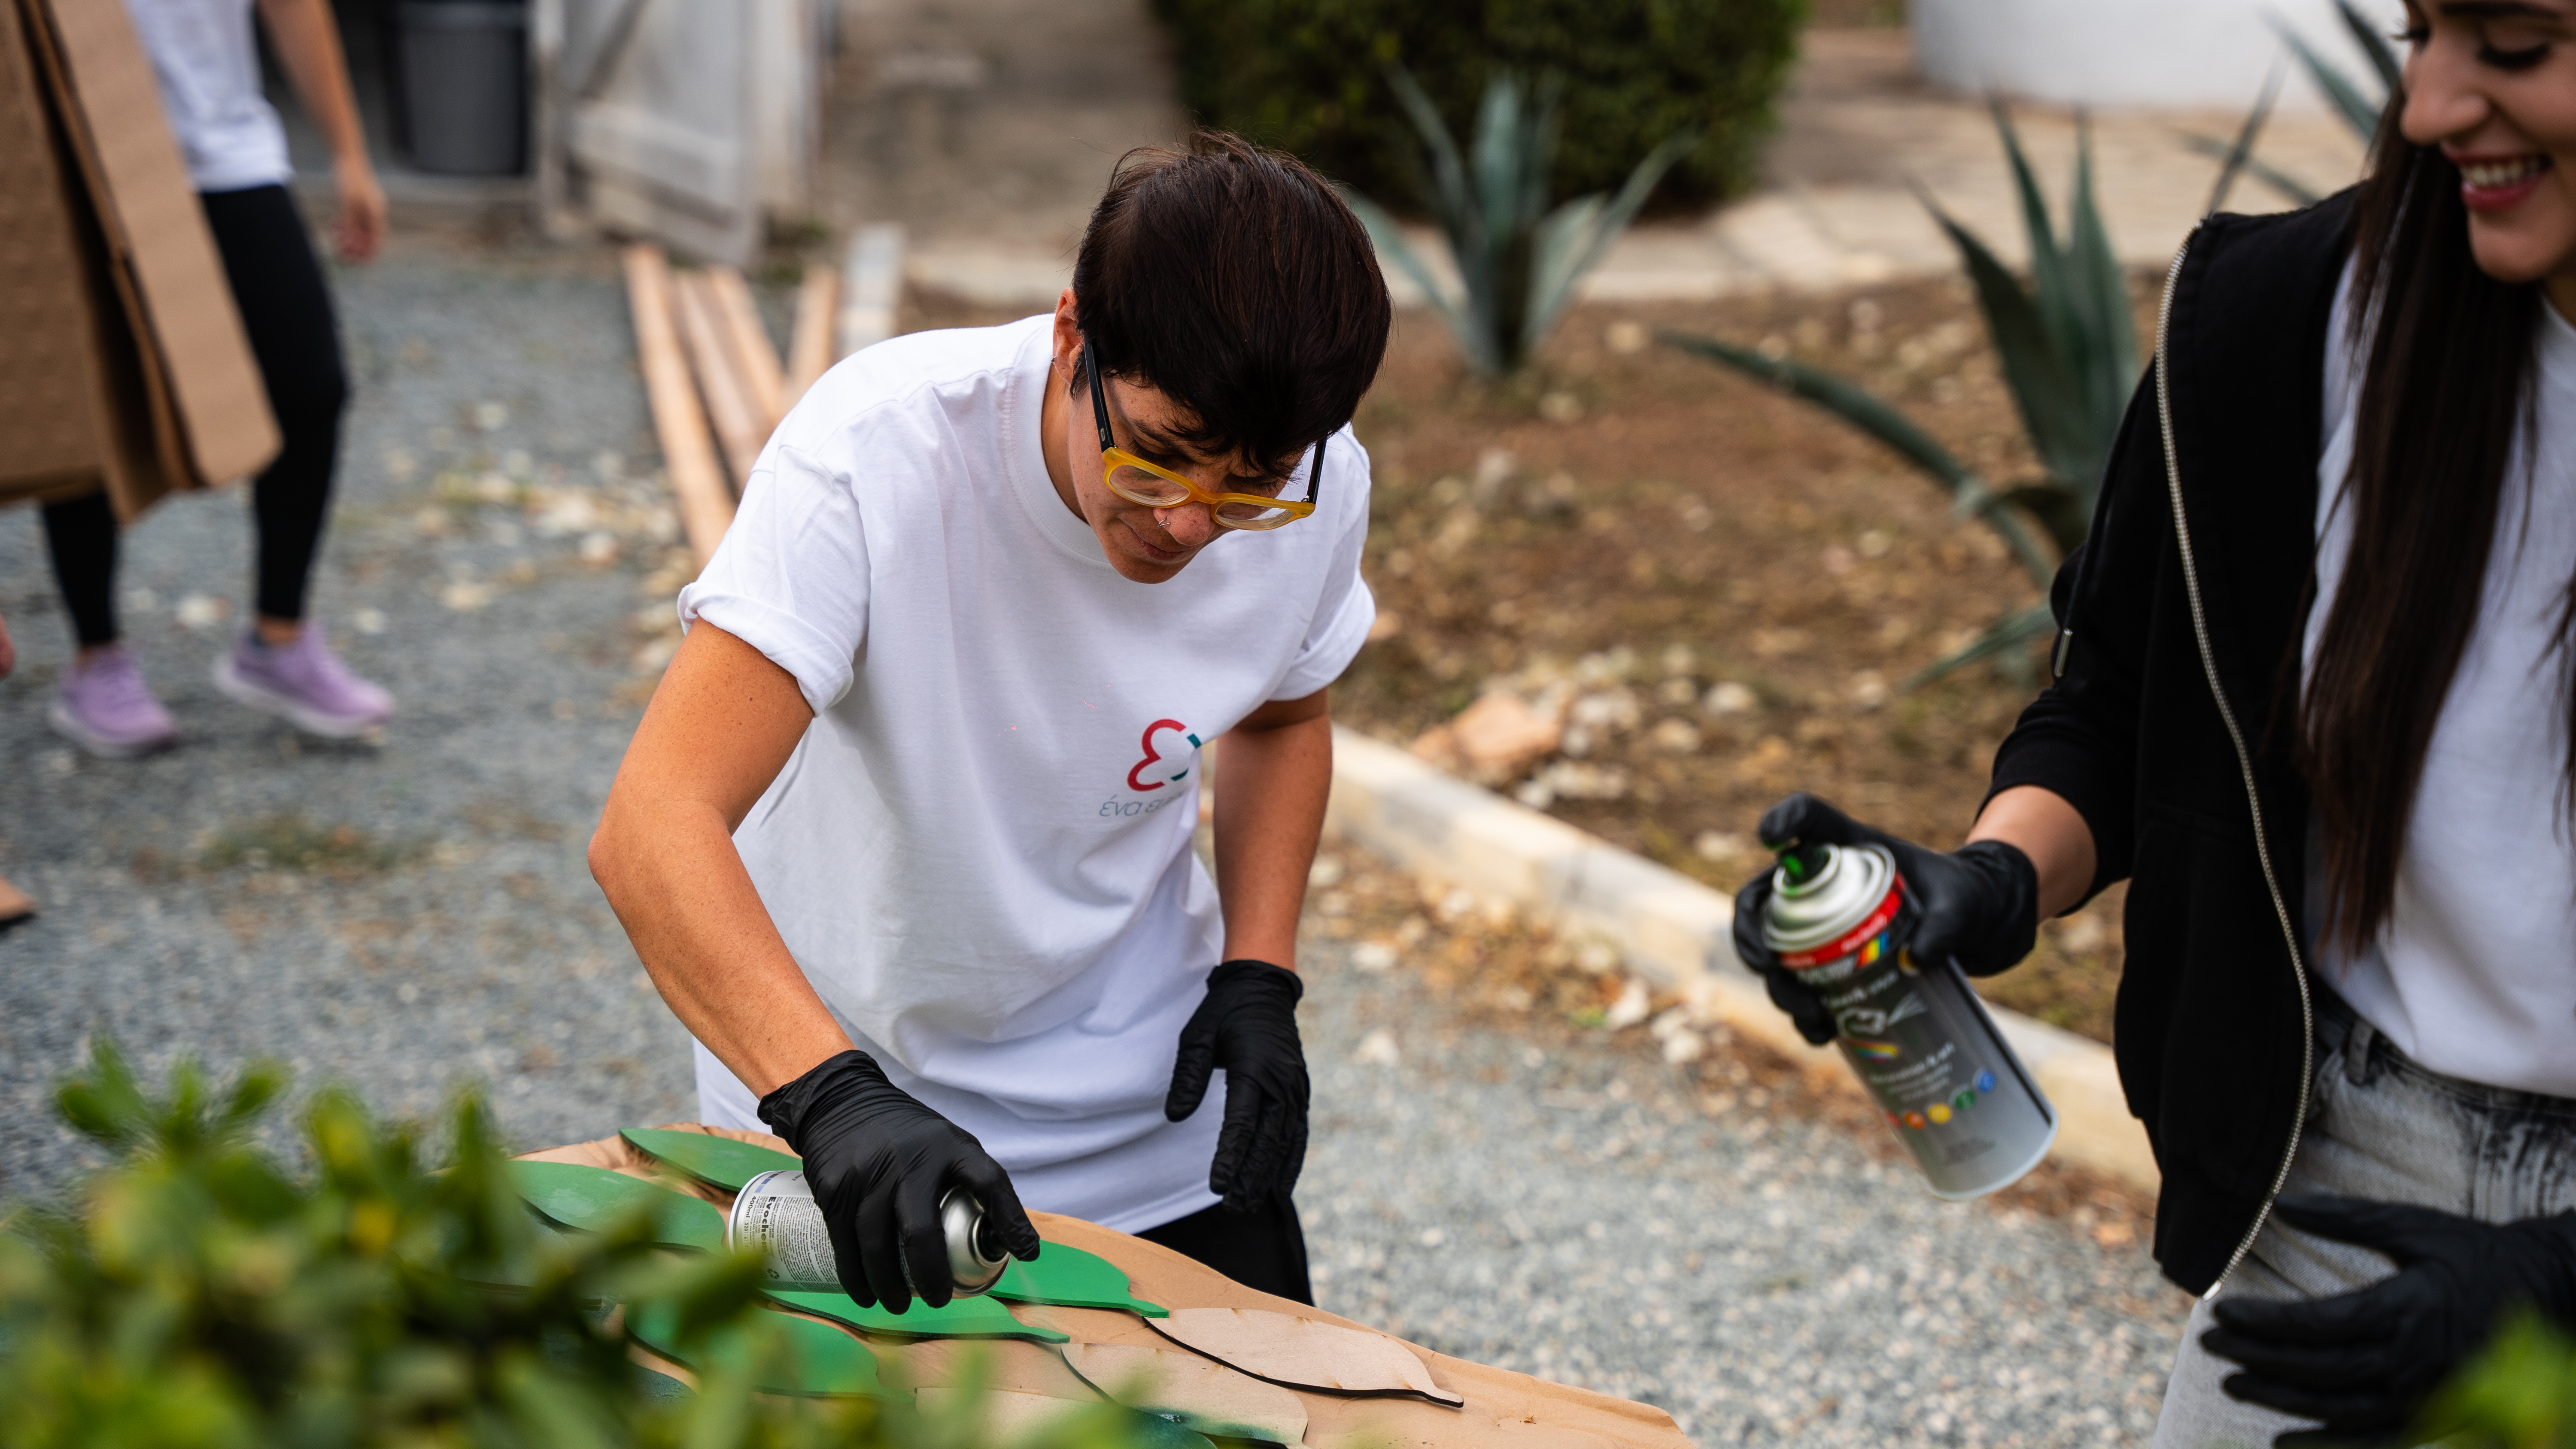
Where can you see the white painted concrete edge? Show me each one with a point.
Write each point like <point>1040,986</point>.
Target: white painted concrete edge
<point>1668,929</point>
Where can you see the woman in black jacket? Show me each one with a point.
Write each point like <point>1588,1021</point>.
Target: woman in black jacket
<point>2314,689</point>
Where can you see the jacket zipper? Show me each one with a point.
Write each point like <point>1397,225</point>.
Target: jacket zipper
<point>2244,763</point>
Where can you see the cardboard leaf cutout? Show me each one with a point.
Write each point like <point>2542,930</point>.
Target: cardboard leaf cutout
<point>719,1162</point>
<point>1303,1353</point>
<point>823,1361</point>
<point>962,1318</point>
<point>1068,1277</point>
<point>595,1199</point>
<point>1206,1396</point>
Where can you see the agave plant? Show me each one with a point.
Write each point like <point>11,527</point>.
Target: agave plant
<point>1517,259</point>
<point>2358,111</point>
<point>2070,358</point>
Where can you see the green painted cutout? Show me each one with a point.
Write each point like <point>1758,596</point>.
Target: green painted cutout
<point>962,1318</point>
<point>1068,1277</point>
<point>594,1199</point>
<point>826,1360</point>
<point>719,1162</point>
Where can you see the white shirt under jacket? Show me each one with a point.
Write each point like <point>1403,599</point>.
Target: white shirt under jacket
<point>2475,974</point>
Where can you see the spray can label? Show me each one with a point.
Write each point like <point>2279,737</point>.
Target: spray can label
<point>1915,1035</point>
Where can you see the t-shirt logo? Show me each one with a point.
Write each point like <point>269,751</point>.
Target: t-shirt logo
<point>1155,770</point>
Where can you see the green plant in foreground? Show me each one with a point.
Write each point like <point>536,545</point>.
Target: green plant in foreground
<point>198,1295</point>
<point>2069,355</point>
<point>2519,1393</point>
<point>1518,260</point>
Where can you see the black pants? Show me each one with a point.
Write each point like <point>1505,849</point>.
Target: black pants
<point>1263,1248</point>
<point>286,308</point>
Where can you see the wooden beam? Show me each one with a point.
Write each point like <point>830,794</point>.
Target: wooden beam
<point>739,428</point>
<point>755,356</point>
<point>810,352</point>
<point>872,288</point>
<point>688,453</point>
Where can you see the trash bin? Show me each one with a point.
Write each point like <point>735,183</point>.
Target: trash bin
<point>465,85</point>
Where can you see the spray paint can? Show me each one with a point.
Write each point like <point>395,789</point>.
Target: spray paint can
<point>1915,1035</point>
<point>776,1213</point>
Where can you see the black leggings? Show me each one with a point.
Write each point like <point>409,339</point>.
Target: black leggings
<point>286,308</point>
<point>1262,1248</point>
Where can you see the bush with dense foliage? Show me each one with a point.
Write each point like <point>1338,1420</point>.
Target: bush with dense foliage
<point>1310,76</point>
<point>199,1295</point>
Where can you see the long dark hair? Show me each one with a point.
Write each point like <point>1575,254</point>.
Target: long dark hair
<point>2446,390</point>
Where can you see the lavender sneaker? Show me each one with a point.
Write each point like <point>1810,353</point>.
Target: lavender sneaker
<point>105,708</point>
<point>303,683</point>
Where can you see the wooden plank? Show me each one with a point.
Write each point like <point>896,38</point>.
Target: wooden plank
<point>688,453</point>
<point>729,406</point>
<point>810,353</point>
<point>755,356</point>
<point>872,285</point>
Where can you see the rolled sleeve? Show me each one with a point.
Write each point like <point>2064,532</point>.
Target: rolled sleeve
<point>791,577</point>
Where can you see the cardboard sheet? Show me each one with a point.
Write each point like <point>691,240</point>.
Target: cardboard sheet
<point>1199,1392</point>
<point>1501,1409</point>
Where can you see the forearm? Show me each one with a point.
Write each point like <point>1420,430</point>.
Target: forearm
<point>2042,825</point>
<point>307,42</point>
<point>1271,785</point>
<point>677,884</point>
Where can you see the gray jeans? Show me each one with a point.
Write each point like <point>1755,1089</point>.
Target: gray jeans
<point>2379,1127</point>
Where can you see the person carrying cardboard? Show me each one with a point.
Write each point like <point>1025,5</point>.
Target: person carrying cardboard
<point>206,61</point>
<point>904,837</point>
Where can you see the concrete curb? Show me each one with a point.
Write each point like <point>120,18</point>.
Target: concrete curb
<point>1668,929</point>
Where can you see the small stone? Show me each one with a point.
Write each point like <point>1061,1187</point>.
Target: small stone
<point>1679,736</point>
<point>599,548</point>
<point>1626,338</point>
<point>1373,956</point>
<point>1629,1009</point>
<point>203,611</point>
<point>369,621</point>
<point>1377,1049</point>
<point>491,417</point>
<point>1727,697</point>
<point>1327,870</point>
<point>1560,407</point>
<point>1717,845</point>
<point>465,596</point>
<point>1432,1237</point>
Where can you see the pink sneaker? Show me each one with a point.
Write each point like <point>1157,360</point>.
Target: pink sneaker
<point>303,683</point>
<point>105,708</point>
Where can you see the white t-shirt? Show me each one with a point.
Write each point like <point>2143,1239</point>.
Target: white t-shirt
<point>980,852</point>
<point>207,62</point>
<point>2472,975</point>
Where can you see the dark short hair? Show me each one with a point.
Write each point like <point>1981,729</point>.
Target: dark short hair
<point>1234,279</point>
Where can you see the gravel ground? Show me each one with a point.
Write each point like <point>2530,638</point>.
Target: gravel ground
<point>450,932</point>
<point>413,915</point>
<point>1558,1200</point>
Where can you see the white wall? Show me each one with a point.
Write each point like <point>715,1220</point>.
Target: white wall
<point>2146,53</point>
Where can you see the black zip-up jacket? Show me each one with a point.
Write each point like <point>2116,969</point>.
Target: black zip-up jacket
<point>2205,816</point>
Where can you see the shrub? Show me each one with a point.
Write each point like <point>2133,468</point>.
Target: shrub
<point>1309,76</point>
<point>200,1295</point>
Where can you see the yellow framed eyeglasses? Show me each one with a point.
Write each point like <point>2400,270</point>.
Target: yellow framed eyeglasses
<point>1138,481</point>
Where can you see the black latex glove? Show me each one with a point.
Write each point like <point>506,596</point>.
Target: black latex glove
<point>879,1162</point>
<point>1248,1025</point>
<point>1977,905</point>
<point>2364,1362</point>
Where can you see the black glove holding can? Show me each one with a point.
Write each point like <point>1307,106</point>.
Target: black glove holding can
<point>878,1162</point>
<point>1248,1025</point>
<point>1978,905</point>
<point>2365,1362</point>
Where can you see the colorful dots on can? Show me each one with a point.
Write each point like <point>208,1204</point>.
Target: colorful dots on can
<point>1985,1081</point>
<point>1914,1120</point>
<point>1940,1112</point>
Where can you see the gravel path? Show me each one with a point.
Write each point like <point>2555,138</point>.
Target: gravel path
<point>1557,1200</point>
<point>453,933</point>
<point>413,915</point>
